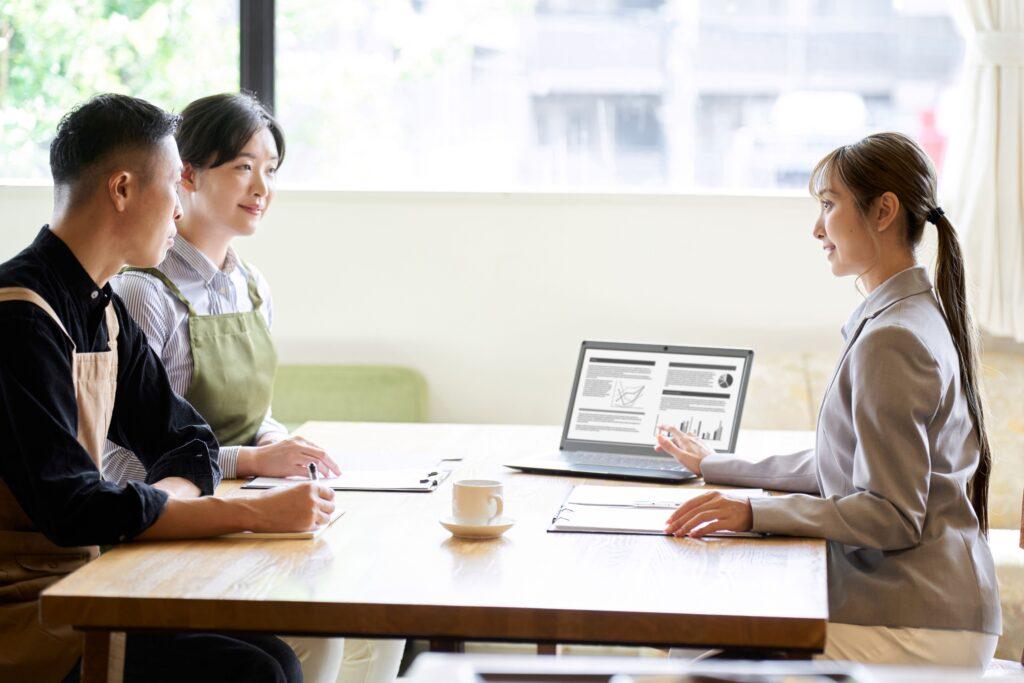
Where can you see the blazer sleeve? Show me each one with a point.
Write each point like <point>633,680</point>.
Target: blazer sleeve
<point>896,388</point>
<point>795,472</point>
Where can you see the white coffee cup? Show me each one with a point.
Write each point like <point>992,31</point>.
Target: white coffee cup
<point>477,501</point>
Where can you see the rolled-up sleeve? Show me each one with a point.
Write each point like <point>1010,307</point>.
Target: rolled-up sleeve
<point>896,390</point>
<point>50,474</point>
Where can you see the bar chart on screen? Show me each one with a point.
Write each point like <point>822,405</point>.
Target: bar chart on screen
<point>702,429</point>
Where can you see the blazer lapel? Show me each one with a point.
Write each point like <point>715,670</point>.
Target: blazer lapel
<point>902,285</point>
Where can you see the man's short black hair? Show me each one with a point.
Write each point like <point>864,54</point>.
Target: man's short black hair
<point>102,127</point>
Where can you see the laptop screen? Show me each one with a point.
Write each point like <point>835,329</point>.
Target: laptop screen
<point>623,392</point>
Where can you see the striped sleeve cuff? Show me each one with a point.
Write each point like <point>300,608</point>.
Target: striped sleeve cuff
<point>228,461</point>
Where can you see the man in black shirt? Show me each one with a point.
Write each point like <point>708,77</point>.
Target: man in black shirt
<point>116,169</point>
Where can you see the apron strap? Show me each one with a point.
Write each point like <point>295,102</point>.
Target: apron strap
<point>113,327</point>
<point>27,295</point>
<point>254,293</point>
<point>167,283</point>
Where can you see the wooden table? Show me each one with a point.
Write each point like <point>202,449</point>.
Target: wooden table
<point>388,569</point>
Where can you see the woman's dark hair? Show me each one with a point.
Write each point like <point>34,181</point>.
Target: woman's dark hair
<point>102,127</point>
<point>214,129</point>
<point>892,162</point>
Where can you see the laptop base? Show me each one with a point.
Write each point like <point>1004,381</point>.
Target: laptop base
<point>571,469</point>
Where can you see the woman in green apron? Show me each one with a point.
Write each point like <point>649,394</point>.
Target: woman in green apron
<point>207,314</point>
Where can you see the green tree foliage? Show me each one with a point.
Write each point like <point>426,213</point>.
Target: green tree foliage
<point>54,55</point>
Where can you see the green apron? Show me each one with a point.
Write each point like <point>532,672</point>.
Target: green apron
<point>233,366</point>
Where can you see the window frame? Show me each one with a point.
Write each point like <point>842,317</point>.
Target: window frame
<point>256,21</point>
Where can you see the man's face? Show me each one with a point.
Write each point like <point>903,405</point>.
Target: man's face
<point>150,222</point>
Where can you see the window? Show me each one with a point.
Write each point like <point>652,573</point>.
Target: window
<point>605,95</point>
<point>54,55</point>
<point>601,94</point>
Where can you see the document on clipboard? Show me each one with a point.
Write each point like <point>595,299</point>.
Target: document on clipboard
<point>632,509</point>
<point>408,481</point>
<point>286,535</point>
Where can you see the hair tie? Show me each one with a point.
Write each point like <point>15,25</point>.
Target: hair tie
<point>934,215</point>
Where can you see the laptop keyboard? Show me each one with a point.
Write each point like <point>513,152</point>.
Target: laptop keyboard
<point>616,460</point>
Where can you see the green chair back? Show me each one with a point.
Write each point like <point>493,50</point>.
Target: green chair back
<point>348,393</point>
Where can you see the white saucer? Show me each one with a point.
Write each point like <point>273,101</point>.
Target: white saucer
<point>493,530</point>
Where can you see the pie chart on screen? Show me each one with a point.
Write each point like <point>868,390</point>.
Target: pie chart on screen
<point>725,380</point>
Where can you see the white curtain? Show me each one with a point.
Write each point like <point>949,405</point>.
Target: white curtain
<point>983,179</point>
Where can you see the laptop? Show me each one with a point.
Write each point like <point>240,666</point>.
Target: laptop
<point>622,392</point>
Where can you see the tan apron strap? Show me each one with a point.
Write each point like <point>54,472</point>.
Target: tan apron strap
<point>27,295</point>
<point>113,327</point>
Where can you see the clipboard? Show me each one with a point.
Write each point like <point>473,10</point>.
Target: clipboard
<point>630,510</point>
<point>286,535</point>
<point>400,481</point>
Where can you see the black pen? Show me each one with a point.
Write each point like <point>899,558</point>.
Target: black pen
<point>312,471</point>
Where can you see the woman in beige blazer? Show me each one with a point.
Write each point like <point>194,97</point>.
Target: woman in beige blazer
<point>898,479</point>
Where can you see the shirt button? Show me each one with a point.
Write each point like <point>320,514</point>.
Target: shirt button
<point>95,294</point>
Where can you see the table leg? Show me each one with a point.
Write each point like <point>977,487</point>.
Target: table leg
<point>95,656</point>
<point>446,645</point>
<point>103,657</point>
<point>547,648</point>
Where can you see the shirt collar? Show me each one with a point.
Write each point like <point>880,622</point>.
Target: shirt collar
<point>80,285</point>
<point>904,284</point>
<point>199,262</point>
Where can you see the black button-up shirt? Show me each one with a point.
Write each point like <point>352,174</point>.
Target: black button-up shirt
<point>52,477</point>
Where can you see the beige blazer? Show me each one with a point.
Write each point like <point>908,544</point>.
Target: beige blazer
<point>895,449</point>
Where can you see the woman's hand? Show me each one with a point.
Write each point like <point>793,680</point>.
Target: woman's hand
<point>716,512</point>
<point>688,450</point>
<point>288,457</point>
<point>299,507</point>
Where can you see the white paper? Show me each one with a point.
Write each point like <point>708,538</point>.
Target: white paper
<point>364,480</point>
<point>380,462</point>
<point>287,535</point>
<point>623,520</point>
<point>661,497</point>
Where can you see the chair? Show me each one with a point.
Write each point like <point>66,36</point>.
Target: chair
<point>1009,581</point>
<point>348,393</point>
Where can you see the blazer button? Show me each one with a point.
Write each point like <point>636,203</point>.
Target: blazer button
<point>199,455</point>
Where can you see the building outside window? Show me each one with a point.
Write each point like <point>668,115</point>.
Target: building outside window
<point>511,95</point>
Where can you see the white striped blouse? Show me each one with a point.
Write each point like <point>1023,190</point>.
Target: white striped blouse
<point>164,319</point>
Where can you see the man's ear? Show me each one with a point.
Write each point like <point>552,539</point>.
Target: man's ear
<point>188,177</point>
<point>887,209</point>
<point>120,186</point>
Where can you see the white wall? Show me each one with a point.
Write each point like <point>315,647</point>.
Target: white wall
<point>489,295</point>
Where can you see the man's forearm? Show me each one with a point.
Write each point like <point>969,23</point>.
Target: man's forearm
<point>199,518</point>
<point>178,487</point>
